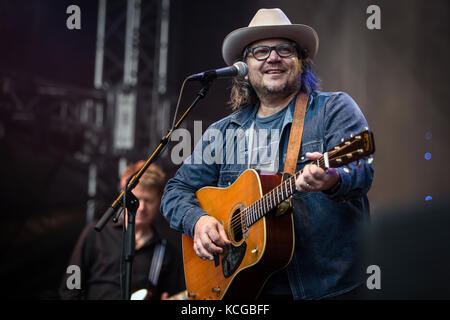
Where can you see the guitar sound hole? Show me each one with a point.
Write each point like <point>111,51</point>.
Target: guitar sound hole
<point>236,226</point>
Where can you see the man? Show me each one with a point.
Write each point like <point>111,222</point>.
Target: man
<point>156,265</point>
<point>331,208</point>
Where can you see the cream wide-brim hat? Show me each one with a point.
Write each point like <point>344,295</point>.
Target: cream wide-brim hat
<point>266,24</point>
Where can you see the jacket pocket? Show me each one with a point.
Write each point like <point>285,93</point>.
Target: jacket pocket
<point>311,146</point>
<point>227,178</point>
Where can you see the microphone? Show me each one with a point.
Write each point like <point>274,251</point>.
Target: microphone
<point>238,69</point>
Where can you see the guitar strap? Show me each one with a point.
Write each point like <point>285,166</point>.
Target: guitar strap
<point>157,261</point>
<point>295,137</point>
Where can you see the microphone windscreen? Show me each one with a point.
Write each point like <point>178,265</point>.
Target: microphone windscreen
<point>242,69</point>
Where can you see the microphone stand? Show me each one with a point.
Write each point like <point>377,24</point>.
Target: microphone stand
<point>131,202</point>
<point>132,205</point>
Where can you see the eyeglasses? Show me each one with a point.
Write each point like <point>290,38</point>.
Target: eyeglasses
<point>284,50</point>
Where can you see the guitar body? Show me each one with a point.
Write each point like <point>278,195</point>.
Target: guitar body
<point>255,253</point>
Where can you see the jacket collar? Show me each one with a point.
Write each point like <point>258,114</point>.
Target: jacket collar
<point>242,116</point>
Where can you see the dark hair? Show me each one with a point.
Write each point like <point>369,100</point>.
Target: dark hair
<point>242,92</point>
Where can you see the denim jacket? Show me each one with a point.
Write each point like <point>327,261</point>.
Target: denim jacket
<point>328,227</point>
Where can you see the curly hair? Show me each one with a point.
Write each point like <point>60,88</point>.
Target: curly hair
<point>242,92</point>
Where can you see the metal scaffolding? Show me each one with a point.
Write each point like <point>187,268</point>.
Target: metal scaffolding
<point>121,117</point>
<point>131,64</point>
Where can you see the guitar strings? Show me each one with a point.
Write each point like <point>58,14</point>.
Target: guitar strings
<point>254,208</point>
<point>236,221</point>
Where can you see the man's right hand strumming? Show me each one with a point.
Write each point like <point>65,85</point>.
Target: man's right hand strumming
<point>209,237</point>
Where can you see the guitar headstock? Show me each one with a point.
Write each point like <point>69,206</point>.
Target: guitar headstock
<point>358,146</point>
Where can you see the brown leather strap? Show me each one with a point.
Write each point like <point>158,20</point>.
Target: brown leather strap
<point>295,137</point>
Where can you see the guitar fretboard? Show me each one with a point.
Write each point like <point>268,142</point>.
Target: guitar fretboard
<point>355,148</point>
<point>273,198</point>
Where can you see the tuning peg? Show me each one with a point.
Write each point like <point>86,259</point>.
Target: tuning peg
<point>366,128</point>
<point>358,164</point>
<point>351,135</point>
<point>370,160</point>
<point>347,170</point>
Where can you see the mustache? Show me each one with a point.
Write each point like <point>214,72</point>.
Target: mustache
<point>277,66</point>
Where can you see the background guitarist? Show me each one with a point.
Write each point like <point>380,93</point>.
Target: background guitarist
<point>331,208</point>
<point>156,265</point>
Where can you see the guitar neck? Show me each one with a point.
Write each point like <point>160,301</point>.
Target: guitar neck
<point>270,200</point>
<point>355,148</point>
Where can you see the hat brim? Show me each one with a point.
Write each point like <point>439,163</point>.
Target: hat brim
<point>236,41</point>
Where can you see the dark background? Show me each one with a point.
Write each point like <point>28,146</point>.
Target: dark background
<point>397,75</point>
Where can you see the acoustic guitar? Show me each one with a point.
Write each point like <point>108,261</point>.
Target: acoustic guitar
<point>257,216</point>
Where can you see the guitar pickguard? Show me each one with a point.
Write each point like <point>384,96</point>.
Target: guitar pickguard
<point>232,259</point>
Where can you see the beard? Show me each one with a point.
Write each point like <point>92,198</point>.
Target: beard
<point>284,90</point>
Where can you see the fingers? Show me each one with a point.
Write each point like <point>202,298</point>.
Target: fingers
<point>302,185</point>
<point>312,175</point>
<point>220,238</point>
<point>314,178</point>
<point>313,155</point>
<point>164,296</point>
<point>311,179</point>
<point>315,174</point>
<point>209,237</point>
<point>208,243</point>
<point>201,251</point>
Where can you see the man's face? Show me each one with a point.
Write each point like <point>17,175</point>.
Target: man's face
<point>275,75</point>
<point>149,201</point>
